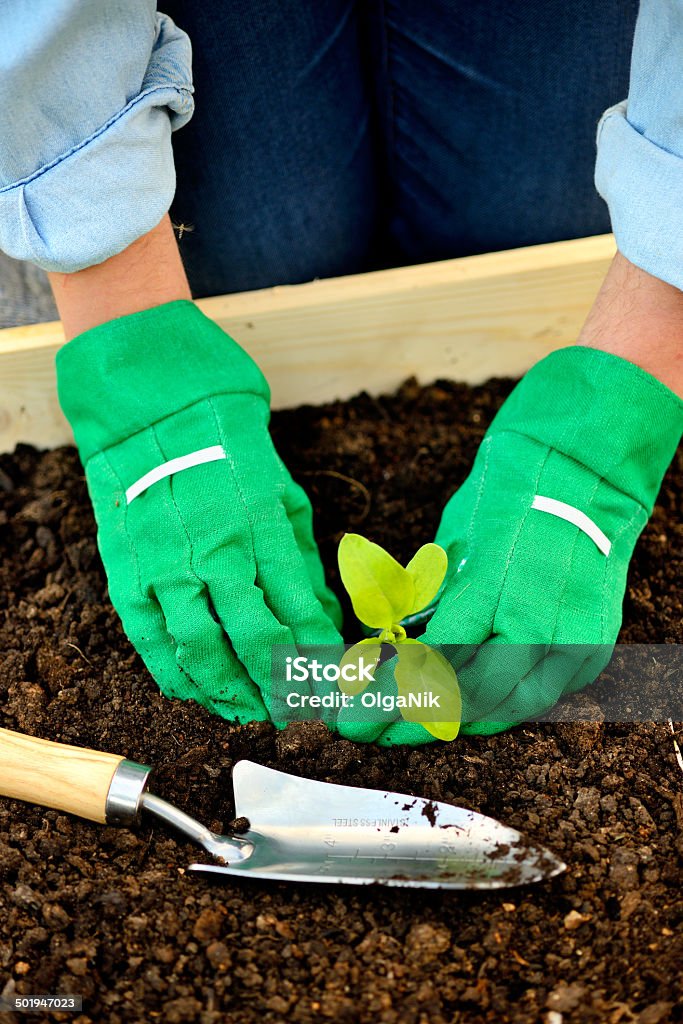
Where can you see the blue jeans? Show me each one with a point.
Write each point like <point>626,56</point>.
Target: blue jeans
<point>338,136</point>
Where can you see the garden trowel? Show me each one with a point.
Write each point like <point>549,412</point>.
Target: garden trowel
<point>296,829</point>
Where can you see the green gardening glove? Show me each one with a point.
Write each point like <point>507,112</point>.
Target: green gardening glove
<point>206,539</point>
<point>540,535</point>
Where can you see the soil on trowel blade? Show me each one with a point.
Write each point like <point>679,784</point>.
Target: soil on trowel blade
<point>112,915</point>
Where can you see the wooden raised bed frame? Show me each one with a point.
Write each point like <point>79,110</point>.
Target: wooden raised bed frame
<point>468,319</point>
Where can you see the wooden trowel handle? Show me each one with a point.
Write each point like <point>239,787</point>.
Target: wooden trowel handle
<point>99,787</point>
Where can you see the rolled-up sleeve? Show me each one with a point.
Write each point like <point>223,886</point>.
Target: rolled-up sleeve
<point>89,95</point>
<point>639,168</point>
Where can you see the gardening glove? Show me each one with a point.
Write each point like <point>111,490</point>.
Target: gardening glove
<point>540,535</point>
<point>206,539</point>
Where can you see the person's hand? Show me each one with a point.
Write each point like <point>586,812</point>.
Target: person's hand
<point>206,539</point>
<point>540,535</point>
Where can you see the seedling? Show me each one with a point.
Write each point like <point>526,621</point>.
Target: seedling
<point>383,593</point>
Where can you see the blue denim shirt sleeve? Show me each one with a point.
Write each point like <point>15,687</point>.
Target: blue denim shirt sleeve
<point>639,168</point>
<point>89,95</point>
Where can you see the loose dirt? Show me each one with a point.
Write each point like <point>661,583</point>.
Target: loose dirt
<point>113,916</point>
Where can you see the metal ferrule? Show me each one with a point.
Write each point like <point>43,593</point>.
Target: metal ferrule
<point>124,799</point>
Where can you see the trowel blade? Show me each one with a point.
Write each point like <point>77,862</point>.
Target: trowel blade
<point>302,830</point>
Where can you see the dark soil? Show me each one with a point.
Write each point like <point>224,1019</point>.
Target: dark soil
<point>112,915</point>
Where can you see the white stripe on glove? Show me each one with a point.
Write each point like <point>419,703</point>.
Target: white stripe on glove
<point>198,458</point>
<point>575,516</point>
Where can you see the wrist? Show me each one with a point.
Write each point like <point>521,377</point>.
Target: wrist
<point>639,318</point>
<point>148,273</point>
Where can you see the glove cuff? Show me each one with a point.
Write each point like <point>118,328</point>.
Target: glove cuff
<point>602,411</point>
<point>122,376</point>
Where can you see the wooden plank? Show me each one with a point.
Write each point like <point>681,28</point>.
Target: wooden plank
<point>468,319</point>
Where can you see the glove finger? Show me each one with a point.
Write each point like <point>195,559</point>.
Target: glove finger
<point>300,515</point>
<point>213,673</point>
<point>590,667</point>
<point>141,616</point>
<point>485,728</point>
<point>456,518</point>
<point>541,687</point>
<point>402,733</point>
<point>494,672</point>
<point>166,550</point>
<point>149,636</point>
<point>260,479</point>
<point>214,574</point>
<point>243,494</point>
<point>598,659</point>
<point>283,576</point>
<point>463,619</point>
<point>260,641</point>
<point>368,719</point>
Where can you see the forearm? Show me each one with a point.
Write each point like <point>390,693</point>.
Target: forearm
<point>639,168</point>
<point>640,318</point>
<point>89,96</point>
<point>146,274</point>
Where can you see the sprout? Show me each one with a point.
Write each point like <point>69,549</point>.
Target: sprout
<point>383,593</point>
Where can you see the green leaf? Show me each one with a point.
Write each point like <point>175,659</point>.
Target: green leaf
<point>422,670</point>
<point>370,651</point>
<point>382,592</point>
<point>427,568</point>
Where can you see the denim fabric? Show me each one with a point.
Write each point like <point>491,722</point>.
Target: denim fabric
<point>337,137</point>
<point>89,95</point>
<point>490,116</point>
<point>277,171</point>
<point>329,138</point>
<point>639,170</point>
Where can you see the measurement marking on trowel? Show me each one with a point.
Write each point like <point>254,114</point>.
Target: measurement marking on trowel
<point>391,856</point>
